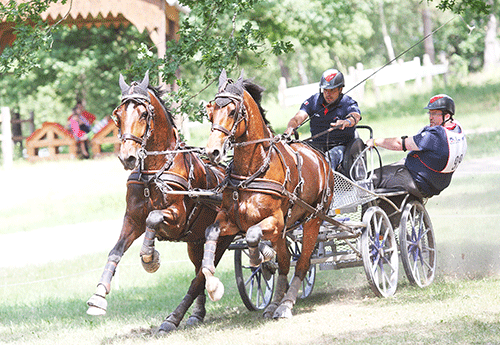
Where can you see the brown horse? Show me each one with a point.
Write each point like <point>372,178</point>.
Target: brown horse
<point>271,186</point>
<point>162,165</point>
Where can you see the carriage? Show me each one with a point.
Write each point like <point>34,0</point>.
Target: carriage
<point>332,220</point>
<point>373,228</point>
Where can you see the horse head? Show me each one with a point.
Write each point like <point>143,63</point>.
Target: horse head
<point>136,117</point>
<point>227,115</point>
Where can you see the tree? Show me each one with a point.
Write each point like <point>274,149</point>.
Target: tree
<point>82,64</point>
<point>225,34</point>
<point>427,25</point>
<point>491,41</point>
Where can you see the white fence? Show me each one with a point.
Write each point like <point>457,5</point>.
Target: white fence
<point>397,73</point>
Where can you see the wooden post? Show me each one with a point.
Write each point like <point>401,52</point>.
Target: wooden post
<point>427,65</point>
<point>7,145</point>
<point>281,92</point>
<point>401,80</point>
<point>418,79</point>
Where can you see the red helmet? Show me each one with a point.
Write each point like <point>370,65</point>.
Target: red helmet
<point>442,102</point>
<point>331,79</point>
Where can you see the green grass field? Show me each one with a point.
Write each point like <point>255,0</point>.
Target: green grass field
<point>45,303</point>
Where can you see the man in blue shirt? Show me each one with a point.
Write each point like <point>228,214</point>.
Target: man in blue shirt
<point>326,109</point>
<point>435,153</point>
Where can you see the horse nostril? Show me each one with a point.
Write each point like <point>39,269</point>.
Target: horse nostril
<point>130,161</point>
<point>214,156</point>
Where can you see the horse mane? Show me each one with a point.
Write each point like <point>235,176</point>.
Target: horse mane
<point>256,92</point>
<point>159,92</point>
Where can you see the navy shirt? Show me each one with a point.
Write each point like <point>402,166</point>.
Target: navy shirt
<point>441,150</point>
<point>321,116</point>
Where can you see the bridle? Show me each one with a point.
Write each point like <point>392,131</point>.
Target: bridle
<point>150,116</point>
<point>240,116</point>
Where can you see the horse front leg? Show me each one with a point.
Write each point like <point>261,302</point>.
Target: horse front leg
<point>150,257</point>
<point>258,251</point>
<point>310,235</point>
<point>213,285</point>
<point>130,232</point>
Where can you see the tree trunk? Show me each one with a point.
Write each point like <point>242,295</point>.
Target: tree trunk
<point>491,44</point>
<point>302,74</point>
<point>428,43</point>
<point>387,38</point>
<point>285,72</point>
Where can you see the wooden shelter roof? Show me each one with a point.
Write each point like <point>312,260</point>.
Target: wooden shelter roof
<point>159,17</point>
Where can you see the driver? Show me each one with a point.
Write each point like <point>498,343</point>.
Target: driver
<point>328,108</point>
<point>435,153</point>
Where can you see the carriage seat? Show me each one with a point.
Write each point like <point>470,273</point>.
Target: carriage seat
<point>351,153</point>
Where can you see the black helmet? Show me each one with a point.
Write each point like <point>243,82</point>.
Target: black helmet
<point>331,79</point>
<point>442,102</point>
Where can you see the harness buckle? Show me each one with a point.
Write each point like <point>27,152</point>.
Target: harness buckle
<point>146,192</point>
<point>235,195</point>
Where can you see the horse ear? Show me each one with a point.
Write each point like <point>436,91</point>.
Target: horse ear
<point>239,82</point>
<point>123,85</point>
<point>145,82</point>
<point>222,80</point>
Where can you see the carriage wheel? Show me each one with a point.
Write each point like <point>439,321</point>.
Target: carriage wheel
<point>417,244</point>
<point>379,252</point>
<point>295,249</point>
<point>255,284</point>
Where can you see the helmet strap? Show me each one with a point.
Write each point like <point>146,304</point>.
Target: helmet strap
<point>449,119</point>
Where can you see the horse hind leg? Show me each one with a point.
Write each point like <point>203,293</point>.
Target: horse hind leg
<point>283,258</point>
<point>172,321</point>
<point>279,293</point>
<point>311,230</point>
<point>199,311</point>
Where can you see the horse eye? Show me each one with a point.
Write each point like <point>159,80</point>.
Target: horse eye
<point>232,113</point>
<point>115,118</point>
<point>144,114</point>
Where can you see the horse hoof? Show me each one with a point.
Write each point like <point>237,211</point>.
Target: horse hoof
<point>283,312</point>
<point>213,286</point>
<point>269,312</point>
<point>151,264</point>
<point>97,305</point>
<point>267,269</point>
<point>193,321</point>
<point>166,327</point>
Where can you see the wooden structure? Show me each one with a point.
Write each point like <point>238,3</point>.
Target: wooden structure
<point>53,138</point>
<point>159,17</point>
<point>107,135</point>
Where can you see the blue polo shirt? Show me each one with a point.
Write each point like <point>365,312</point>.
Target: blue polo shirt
<point>441,150</point>
<point>321,116</point>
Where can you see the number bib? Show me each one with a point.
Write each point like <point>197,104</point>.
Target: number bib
<point>457,146</point>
